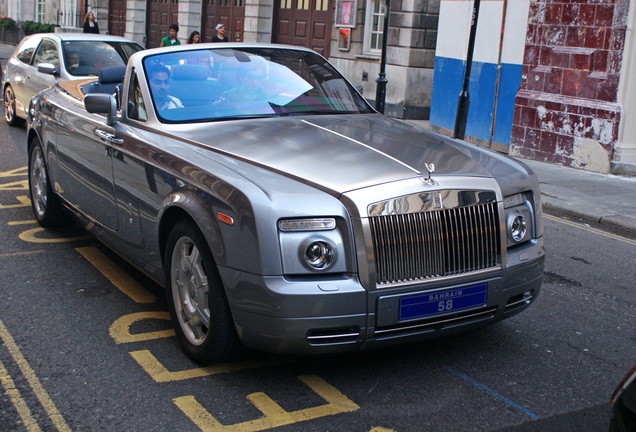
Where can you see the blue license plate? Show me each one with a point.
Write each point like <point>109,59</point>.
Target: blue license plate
<point>440,302</point>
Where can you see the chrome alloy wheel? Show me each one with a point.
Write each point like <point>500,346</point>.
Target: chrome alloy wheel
<point>190,291</point>
<point>9,105</point>
<point>39,182</point>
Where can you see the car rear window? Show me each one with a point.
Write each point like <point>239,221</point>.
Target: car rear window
<point>26,49</point>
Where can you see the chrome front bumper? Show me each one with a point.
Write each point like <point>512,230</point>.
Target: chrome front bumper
<point>308,317</point>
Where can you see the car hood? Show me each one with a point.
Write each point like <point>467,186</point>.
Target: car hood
<point>339,153</point>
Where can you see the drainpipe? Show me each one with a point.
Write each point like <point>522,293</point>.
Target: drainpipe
<point>501,39</point>
<point>380,93</point>
<point>464,100</point>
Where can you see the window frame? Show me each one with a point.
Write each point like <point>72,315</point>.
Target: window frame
<point>369,31</point>
<point>46,44</point>
<point>134,91</point>
<point>40,11</point>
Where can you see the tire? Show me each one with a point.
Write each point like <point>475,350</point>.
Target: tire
<point>9,108</point>
<point>196,298</point>
<point>45,203</point>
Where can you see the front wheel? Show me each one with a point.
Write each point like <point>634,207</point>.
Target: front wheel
<point>9,107</point>
<point>196,298</point>
<point>44,202</point>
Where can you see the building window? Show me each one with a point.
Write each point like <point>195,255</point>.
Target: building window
<point>68,13</point>
<point>374,26</point>
<point>39,13</point>
<point>13,10</point>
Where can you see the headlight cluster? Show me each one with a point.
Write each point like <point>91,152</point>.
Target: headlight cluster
<point>311,245</point>
<point>519,218</point>
<point>320,255</point>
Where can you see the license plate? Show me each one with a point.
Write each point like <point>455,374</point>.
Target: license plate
<point>439,302</point>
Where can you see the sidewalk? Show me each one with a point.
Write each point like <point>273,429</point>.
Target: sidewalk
<point>605,199</point>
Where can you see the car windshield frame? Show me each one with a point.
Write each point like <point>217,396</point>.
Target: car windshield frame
<point>212,84</point>
<point>96,55</point>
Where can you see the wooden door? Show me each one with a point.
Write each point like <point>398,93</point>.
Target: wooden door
<point>304,23</point>
<point>116,17</point>
<point>230,13</point>
<point>161,14</point>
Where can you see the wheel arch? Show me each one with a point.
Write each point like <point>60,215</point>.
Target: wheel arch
<point>32,134</point>
<point>186,204</point>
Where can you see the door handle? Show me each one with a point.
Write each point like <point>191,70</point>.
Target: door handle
<point>105,136</point>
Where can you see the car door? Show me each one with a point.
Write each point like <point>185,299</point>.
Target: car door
<point>85,158</point>
<point>47,52</point>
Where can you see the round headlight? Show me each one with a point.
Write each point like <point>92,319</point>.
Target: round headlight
<point>319,255</point>
<point>518,228</point>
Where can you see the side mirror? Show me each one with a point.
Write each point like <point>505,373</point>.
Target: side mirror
<point>46,68</point>
<point>101,103</point>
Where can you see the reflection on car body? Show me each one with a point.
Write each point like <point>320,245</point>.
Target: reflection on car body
<point>280,211</point>
<point>623,403</point>
<point>68,56</point>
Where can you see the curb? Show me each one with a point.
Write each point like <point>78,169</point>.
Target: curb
<point>625,225</point>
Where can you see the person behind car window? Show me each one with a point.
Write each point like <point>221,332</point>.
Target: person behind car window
<point>73,61</point>
<point>158,77</point>
<point>220,34</point>
<point>252,85</point>
<point>90,25</point>
<point>195,38</point>
<point>172,38</point>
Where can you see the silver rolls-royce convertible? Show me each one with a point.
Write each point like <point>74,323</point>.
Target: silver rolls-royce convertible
<point>278,209</point>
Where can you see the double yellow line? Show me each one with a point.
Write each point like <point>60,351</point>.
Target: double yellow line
<point>16,399</point>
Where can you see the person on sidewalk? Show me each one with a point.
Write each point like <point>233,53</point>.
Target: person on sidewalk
<point>220,34</point>
<point>90,25</point>
<point>195,38</point>
<point>172,38</point>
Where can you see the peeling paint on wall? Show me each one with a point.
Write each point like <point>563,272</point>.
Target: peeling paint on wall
<point>590,155</point>
<point>566,109</point>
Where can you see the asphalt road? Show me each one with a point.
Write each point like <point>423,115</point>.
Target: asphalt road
<point>86,346</point>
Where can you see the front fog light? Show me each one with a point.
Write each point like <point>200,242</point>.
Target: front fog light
<point>518,228</point>
<point>319,255</point>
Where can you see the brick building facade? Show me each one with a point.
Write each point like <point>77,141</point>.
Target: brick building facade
<point>568,109</point>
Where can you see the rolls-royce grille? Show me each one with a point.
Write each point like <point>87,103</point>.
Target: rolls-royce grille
<point>416,246</point>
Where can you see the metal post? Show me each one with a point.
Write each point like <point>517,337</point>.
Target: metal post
<point>501,40</point>
<point>464,99</point>
<point>380,91</point>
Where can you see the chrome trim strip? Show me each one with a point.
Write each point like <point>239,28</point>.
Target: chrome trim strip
<point>431,201</point>
<point>333,337</point>
<point>523,300</point>
<point>364,145</point>
<point>433,323</point>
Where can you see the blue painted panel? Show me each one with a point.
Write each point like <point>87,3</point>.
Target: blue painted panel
<point>509,85</point>
<point>482,99</point>
<point>447,83</point>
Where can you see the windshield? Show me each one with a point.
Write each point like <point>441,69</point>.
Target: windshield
<point>87,58</point>
<point>190,86</point>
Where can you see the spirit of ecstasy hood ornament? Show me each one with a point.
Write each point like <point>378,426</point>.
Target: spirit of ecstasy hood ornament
<point>431,169</point>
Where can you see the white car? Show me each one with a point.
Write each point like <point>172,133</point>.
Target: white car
<point>43,59</point>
